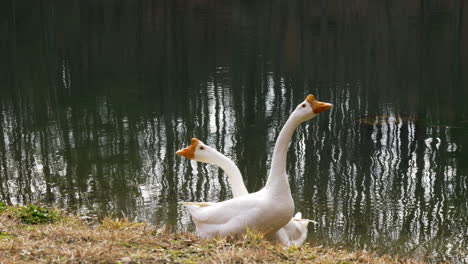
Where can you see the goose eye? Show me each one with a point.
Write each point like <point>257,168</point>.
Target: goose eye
<point>303,105</point>
<point>202,148</point>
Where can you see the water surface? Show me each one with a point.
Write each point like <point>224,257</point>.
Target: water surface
<point>95,98</point>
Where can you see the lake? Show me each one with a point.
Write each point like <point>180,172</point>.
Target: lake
<point>97,96</point>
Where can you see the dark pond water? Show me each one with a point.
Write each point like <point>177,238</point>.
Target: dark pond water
<point>96,97</point>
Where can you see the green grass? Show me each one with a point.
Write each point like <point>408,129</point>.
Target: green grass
<point>5,235</point>
<point>3,207</point>
<point>32,214</point>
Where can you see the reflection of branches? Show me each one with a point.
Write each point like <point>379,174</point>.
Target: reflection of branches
<point>4,188</point>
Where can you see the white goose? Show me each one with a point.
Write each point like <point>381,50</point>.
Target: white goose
<point>294,233</point>
<point>267,210</point>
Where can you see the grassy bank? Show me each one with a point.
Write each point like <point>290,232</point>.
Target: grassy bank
<point>35,234</point>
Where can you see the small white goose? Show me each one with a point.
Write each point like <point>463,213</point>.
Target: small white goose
<point>294,233</point>
<point>267,210</point>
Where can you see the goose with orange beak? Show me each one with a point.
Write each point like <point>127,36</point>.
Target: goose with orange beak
<point>267,210</point>
<point>293,233</point>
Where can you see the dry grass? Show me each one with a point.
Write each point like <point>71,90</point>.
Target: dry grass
<point>71,240</point>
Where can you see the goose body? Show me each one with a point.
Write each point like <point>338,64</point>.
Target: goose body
<point>267,210</point>
<point>231,217</point>
<point>293,233</point>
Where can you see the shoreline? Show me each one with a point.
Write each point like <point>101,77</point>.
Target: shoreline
<point>35,234</point>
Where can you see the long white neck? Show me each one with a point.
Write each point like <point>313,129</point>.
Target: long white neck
<point>234,175</point>
<point>278,180</point>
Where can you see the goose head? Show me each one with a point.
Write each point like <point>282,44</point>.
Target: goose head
<point>310,108</point>
<point>198,151</point>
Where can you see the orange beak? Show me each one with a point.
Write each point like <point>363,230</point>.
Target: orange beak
<point>318,107</point>
<point>189,152</point>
